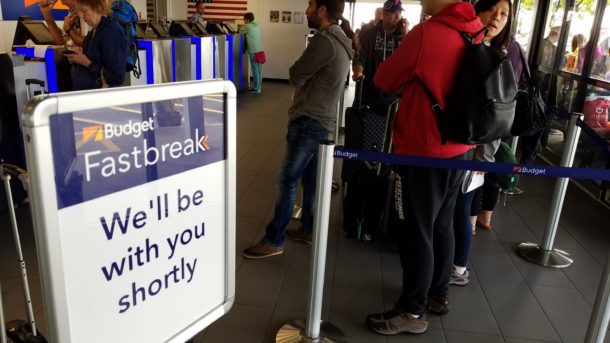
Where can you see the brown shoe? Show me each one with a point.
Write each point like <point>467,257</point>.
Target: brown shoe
<point>299,235</point>
<point>262,249</point>
<point>438,305</point>
<point>397,321</point>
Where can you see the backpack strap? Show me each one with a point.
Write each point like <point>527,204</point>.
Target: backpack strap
<point>436,107</point>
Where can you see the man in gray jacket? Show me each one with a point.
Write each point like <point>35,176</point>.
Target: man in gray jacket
<point>319,77</point>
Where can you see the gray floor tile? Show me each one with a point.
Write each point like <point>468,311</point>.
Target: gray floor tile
<point>264,182</point>
<point>356,330</point>
<point>241,324</point>
<point>462,337</point>
<point>431,336</point>
<point>491,261</point>
<point>255,204</point>
<point>510,228</point>
<point>535,274</point>
<point>585,274</point>
<point>470,311</point>
<point>567,309</point>
<point>363,284</point>
<point>517,311</point>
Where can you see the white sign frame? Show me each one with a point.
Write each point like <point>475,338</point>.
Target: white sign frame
<point>44,202</point>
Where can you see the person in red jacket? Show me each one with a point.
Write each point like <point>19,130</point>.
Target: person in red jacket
<point>431,52</point>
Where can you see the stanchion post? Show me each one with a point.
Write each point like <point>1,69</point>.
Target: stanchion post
<point>544,254</point>
<point>601,311</point>
<point>313,329</point>
<point>2,327</point>
<point>513,144</point>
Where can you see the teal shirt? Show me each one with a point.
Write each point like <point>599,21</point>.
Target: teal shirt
<point>253,37</point>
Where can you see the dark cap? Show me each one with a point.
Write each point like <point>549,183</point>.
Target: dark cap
<point>392,6</point>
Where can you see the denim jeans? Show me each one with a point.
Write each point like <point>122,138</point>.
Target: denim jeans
<point>257,74</point>
<point>462,228</point>
<point>300,160</point>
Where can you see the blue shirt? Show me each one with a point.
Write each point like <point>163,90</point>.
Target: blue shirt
<point>106,47</point>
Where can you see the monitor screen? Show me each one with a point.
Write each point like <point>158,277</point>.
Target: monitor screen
<point>37,31</point>
<point>215,28</point>
<point>159,30</point>
<point>198,28</point>
<point>231,27</point>
<point>180,28</point>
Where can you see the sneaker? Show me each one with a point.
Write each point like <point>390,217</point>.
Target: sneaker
<point>438,305</point>
<point>459,279</point>
<point>397,321</point>
<point>299,235</point>
<point>254,91</point>
<point>262,249</point>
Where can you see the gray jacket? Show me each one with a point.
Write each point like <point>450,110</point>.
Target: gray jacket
<point>319,76</point>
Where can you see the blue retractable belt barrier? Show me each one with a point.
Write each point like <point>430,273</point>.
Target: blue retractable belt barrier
<point>447,163</point>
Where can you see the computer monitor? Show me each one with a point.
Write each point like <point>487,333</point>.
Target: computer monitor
<point>159,30</point>
<point>215,29</point>
<point>198,28</point>
<point>141,28</point>
<point>37,31</point>
<point>179,28</point>
<point>231,27</point>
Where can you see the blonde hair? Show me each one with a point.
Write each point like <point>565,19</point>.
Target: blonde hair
<point>100,6</point>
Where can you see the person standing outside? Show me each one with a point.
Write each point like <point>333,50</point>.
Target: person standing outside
<point>254,44</point>
<point>319,77</point>
<point>431,54</point>
<point>71,33</point>
<point>198,15</point>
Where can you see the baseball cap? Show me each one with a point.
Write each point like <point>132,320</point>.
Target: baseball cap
<point>392,6</point>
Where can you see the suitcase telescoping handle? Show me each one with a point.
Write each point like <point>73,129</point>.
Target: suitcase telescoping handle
<point>359,86</point>
<point>30,82</point>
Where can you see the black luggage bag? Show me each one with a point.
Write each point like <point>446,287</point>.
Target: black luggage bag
<point>367,199</point>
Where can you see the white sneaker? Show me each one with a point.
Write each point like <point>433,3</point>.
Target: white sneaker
<point>459,279</point>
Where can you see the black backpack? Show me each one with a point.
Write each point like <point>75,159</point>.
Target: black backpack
<point>481,106</point>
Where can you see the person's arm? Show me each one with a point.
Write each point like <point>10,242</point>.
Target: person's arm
<point>243,29</point>
<point>400,66</point>
<point>45,8</point>
<point>319,51</point>
<point>69,29</point>
<point>365,51</point>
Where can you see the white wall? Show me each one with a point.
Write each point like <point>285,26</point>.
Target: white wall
<point>140,6</point>
<point>176,9</point>
<point>283,43</point>
<point>7,32</point>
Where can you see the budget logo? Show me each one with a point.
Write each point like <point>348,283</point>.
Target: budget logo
<point>94,132</point>
<point>517,169</point>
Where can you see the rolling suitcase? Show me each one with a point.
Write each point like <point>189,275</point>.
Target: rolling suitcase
<point>368,196</point>
<point>19,331</point>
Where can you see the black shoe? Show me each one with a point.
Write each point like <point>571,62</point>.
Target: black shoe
<point>438,305</point>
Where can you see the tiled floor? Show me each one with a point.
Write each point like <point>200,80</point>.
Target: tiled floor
<point>508,299</point>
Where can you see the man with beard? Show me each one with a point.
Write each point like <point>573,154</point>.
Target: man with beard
<point>378,42</point>
<point>319,77</point>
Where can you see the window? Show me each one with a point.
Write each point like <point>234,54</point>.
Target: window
<point>581,19</point>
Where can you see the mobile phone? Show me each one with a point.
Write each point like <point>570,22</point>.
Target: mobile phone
<point>69,52</point>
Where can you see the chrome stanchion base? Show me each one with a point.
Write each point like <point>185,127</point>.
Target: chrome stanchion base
<point>296,213</point>
<point>553,259</point>
<point>295,333</point>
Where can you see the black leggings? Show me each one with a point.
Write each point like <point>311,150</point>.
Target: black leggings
<point>485,197</point>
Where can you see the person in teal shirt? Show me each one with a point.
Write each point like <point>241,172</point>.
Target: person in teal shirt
<point>255,49</point>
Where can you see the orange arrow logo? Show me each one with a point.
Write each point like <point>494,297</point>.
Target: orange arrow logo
<point>93,132</point>
<point>58,5</point>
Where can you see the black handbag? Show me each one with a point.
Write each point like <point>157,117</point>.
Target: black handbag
<point>530,113</point>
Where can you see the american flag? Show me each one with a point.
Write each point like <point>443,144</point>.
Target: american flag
<point>221,10</point>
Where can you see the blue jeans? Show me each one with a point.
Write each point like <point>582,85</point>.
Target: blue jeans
<point>257,73</point>
<point>301,159</point>
<point>462,228</point>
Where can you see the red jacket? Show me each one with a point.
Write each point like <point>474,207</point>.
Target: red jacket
<point>431,51</point>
